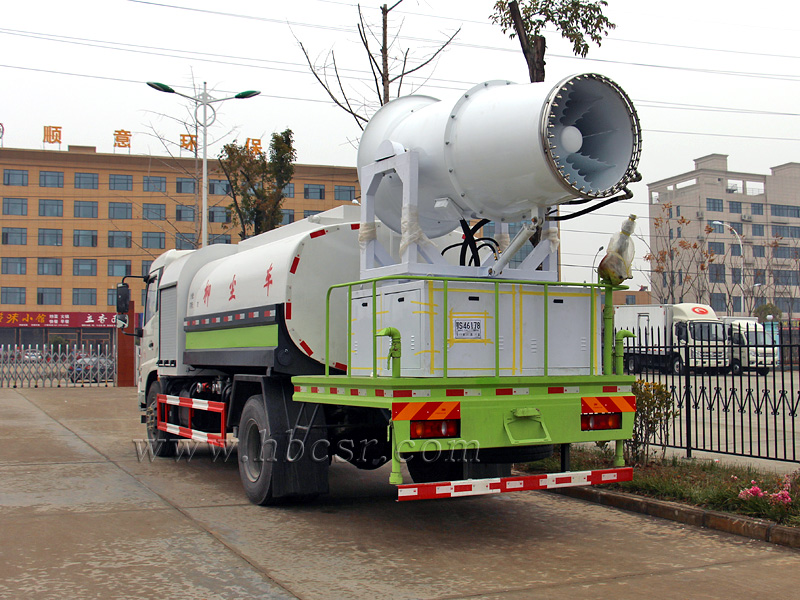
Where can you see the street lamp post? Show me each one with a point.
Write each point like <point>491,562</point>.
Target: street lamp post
<point>741,256</point>
<point>205,100</point>
<point>599,250</point>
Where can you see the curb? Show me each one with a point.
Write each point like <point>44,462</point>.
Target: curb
<point>757,529</point>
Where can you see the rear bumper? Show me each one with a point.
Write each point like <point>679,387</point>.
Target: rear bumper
<point>501,485</point>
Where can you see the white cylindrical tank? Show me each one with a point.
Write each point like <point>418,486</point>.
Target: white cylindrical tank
<point>501,150</point>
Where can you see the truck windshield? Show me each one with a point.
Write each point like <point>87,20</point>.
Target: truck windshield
<point>707,331</point>
<point>758,338</point>
<point>150,296</point>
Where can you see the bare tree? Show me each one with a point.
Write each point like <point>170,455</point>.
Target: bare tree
<point>389,64</point>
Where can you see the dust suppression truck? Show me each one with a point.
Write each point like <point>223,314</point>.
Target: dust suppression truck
<point>666,334</point>
<point>375,334</point>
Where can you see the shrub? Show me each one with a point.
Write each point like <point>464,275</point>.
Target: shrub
<point>654,409</point>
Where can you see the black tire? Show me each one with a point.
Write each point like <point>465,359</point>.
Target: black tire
<point>736,368</point>
<point>255,469</point>
<point>763,371</point>
<point>632,365</point>
<point>162,444</point>
<point>677,365</point>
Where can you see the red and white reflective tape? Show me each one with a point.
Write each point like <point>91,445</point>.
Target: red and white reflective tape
<point>564,390</point>
<point>512,391</point>
<point>500,485</point>
<point>403,393</point>
<point>462,393</point>
<point>617,389</point>
<point>192,403</point>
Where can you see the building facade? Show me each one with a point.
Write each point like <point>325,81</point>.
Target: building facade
<point>75,222</point>
<point>727,238</point>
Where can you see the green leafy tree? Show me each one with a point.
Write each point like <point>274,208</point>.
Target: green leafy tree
<point>257,181</point>
<point>579,21</point>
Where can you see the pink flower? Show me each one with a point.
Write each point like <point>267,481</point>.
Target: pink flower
<point>781,497</point>
<point>734,477</point>
<point>753,492</point>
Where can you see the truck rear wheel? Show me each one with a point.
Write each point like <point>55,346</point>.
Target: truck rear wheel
<point>632,364</point>
<point>736,368</point>
<point>161,443</point>
<point>255,461</point>
<point>677,365</point>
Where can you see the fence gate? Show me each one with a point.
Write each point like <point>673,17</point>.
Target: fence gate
<point>57,366</point>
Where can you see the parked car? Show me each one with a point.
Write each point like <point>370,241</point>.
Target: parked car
<point>32,356</point>
<point>93,368</point>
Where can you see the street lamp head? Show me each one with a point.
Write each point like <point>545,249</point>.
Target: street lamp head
<point>161,87</point>
<point>246,94</point>
<point>717,223</point>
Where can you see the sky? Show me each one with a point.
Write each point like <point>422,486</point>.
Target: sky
<point>715,76</point>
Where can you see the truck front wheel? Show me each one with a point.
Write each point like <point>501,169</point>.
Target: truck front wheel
<point>255,460</point>
<point>736,368</point>
<point>161,443</point>
<point>677,365</point>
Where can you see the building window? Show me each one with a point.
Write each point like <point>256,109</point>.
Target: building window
<point>153,239</point>
<point>738,228</point>
<point>154,212</point>
<point>14,266</point>
<point>84,267</point>
<point>45,296</point>
<point>185,185</point>
<point>85,209</point>
<point>12,295</point>
<point>288,190</point>
<point>15,206</point>
<point>51,208</point>
<point>680,233</point>
<point>219,214</point>
<point>119,268</point>
<point>784,210</point>
<point>50,237</point>
<point>223,238</point>
<point>786,231</point>
<point>15,236</point>
<point>785,277</point>
<point>717,248</point>
<point>15,177</point>
<point>736,250</point>
<point>184,213</point>
<point>84,296</point>
<point>86,181</point>
<point>758,231</point>
<point>735,207</point>
<point>630,299</point>
<point>758,252</point>
<point>146,267</point>
<point>49,266</point>
<point>346,193</point>
<point>736,275</point>
<point>310,213</point>
<point>313,191</point>
<point>154,184</point>
<point>288,216</point>
<point>757,208</point>
<point>718,302</point>
<point>119,239</point>
<point>218,187</point>
<point>786,252</point>
<point>716,273</point>
<point>120,210</point>
<point>714,205</point>
<point>671,233</point>
<point>759,276</point>
<point>716,227</point>
<point>185,241</point>
<point>677,211</point>
<point>111,297</point>
<point>121,182</point>
<point>84,238</point>
<point>53,179</point>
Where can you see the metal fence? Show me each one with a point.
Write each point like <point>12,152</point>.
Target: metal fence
<point>722,406</point>
<point>57,366</point>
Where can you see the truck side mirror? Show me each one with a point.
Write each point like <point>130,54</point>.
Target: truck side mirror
<point>123,298</point>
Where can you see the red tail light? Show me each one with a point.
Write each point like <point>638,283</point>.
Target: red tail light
<point>601,421</point>
<point>448,428</point>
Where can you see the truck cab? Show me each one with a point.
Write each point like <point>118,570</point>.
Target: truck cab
<point>752,348</point>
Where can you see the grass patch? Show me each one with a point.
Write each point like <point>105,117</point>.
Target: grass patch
<point>715,486</point>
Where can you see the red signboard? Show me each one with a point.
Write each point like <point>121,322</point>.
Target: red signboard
<point>22,318</point>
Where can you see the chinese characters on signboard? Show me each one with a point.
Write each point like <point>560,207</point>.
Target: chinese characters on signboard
<point>52,135</point>
<point>55,319</point>
<point>122,138</point>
